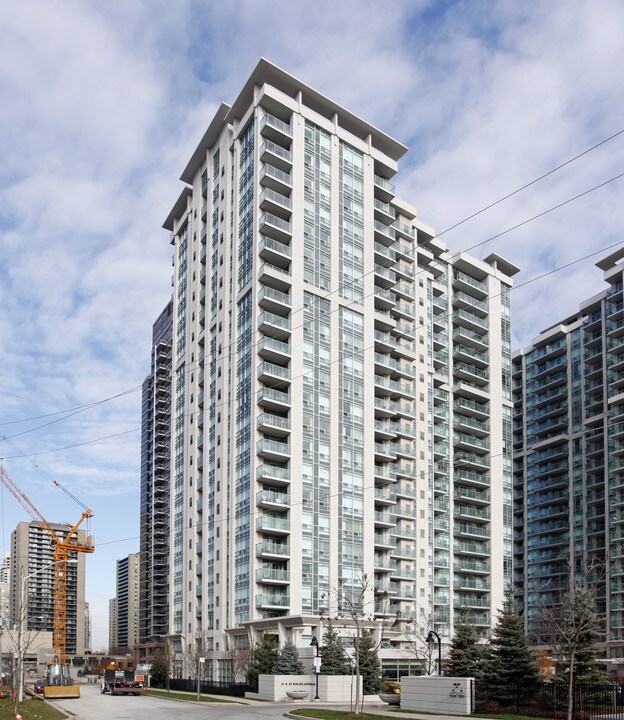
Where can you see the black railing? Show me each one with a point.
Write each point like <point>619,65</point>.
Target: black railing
<point>213,687</point>
<point>550,700</point>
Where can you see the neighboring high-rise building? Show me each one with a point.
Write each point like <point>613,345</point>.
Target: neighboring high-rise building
<point>5,568</point>
<point>112,625</point>
<point>5,584</point>
<point>32,564</point>
<point>155,471</point>
<point>88,641</point>
<point>568,462</point>
<point>341,410</point>
<point>126,605</point>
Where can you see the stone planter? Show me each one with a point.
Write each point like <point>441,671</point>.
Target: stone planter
<point>297,694</point>
<point>391,698</point>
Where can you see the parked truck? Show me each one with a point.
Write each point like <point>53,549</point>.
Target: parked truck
<point>122,682</point>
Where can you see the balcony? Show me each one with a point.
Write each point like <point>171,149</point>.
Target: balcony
<point>272,399</point>
<point>477,427</point>
<point>268,550</point>
<point>274,301</point>
<point>271,525</point>
<point>273,474</point>
<point>273,374</point>
<point>384,563</point>
<point>275,129</point>
<point>470,460</point>
<point>465,441</point>
<point>275,252</point>
<point>276,155</point>
<point>278,180</point>
<point>275,227</point>
<point>384,277</point>
<point>272,602</point>
<point>471,548</point>
<point>385,452</point>
<point>467,302</point>
<point>384,299</point>
<point>272,576</point>
<point>471,373</point>
<point>468,354</point>
<point>384,495</point>
<point>385,235</point>
<point>470,529</point>
<point>274,350</point>
<point>384,474</point>
<point>462,281</point>
<point>384,189</point>
<point>384,520</point>
<point>274,425</point>
<point>274,202</point>
<point>469,321</point>
<point>273,450</point>
<point>274,325</point>
<point>384,256</point>
<point>270,499</point>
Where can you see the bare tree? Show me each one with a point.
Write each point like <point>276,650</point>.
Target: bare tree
<point>574,628</point>
<point>416,634</point>
<point>238,659</point>
<point>356,602</point>
<point>21,639</point>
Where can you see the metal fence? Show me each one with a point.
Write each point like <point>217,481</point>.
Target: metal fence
<point>550,700</point>
<point>214,687</point>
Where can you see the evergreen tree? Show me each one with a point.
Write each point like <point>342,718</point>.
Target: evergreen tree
<point>466,657</point>
<point>334,658</point>
<point>263,657</point>
<point>159,669</point>
<point>288,662</point>
<point>511,661</point>
<point>370,664</point>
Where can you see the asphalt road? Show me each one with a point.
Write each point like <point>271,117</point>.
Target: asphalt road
<point>92,705</point>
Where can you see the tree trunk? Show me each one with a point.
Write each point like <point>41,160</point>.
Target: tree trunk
<point>570,713</point>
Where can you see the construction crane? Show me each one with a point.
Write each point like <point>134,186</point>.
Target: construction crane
<point>63,548</point>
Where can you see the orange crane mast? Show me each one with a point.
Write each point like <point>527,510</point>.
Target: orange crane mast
<point>63,548</point>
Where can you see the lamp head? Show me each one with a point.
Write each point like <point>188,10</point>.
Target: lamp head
<point>314,641</point>
<point>430,638</point>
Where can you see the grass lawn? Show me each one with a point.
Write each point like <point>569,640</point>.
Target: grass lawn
<point>30,710</point>
<point>188,697</point>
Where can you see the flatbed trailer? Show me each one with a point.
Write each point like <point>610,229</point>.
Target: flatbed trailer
<point>121,682</point>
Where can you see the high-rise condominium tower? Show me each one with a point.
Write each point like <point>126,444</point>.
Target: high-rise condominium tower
<point>126,607</point>
<point>341,388</point>
<point>568,462</point>
<point>155,475</point>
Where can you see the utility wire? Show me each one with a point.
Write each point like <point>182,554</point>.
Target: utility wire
<point>305,374</point>
<point>190,367</point>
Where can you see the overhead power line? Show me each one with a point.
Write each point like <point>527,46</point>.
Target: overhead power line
<point>78,409</point>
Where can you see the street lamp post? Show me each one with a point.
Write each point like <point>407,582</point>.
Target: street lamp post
<point>317,664</point>
<point>434,637</point>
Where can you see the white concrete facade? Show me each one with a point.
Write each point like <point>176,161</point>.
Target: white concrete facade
<point>341,395</point>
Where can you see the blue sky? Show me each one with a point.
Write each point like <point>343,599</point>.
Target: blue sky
<point>101,105</point>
